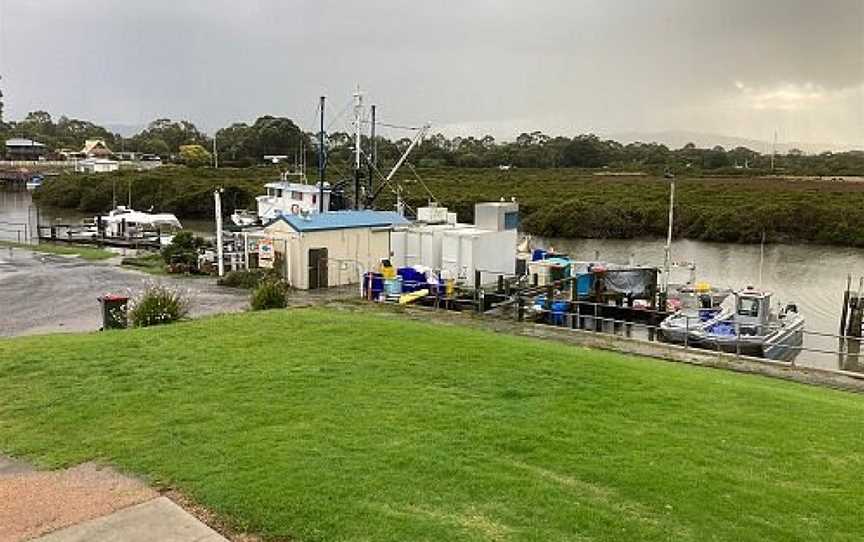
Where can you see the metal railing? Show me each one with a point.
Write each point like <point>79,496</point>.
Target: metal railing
<point>848,353</point>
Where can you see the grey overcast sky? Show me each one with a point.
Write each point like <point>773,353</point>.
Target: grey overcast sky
<point>737,67</point>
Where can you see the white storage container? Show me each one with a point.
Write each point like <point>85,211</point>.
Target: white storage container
<point>467,250</point>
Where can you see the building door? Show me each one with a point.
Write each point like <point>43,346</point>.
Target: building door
<point>317,268</point>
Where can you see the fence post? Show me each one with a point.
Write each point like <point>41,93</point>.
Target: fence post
<point>737,339</point>
<point>520,308</point>
<point>686,331</point>
<point>578,315</point>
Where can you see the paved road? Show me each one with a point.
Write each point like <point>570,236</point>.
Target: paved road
<point>42,293</point>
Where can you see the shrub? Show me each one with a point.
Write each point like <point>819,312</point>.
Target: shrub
<point>182,252</point>
<point>158,305</point>
<point>269,294</point>
<point>247,279</point>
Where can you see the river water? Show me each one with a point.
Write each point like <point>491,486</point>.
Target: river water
<point>812,276</point>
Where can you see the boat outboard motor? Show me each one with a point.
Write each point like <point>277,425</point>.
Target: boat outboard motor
<point>791,307</point>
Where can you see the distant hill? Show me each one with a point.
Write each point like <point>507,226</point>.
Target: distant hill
<point>675,139</point>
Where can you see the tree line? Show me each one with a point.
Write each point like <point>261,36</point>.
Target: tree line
<point>243,145</point>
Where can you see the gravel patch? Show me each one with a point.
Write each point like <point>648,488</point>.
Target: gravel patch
<point>34,502</point>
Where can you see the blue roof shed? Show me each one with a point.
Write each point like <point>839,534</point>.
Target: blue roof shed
<point>341,220</point>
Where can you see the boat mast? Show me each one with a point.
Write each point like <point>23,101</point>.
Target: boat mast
<point>372,162</point>
<point>321,160</point>
<point>667,261</point>
<point>358,114</point>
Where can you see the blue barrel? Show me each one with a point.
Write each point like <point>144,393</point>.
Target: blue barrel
<point>412,280</point>
<point>377,283</point>
<point>584,284</point>
<point>393,286</point>
<point>559,312</point>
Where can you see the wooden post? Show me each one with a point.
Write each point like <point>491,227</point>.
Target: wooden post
<point>477,297</point>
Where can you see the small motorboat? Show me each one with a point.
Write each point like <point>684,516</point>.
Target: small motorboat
<point>34,182</point>
<point>244,218</point>
<point>692,306</point>
<point>753,329</point>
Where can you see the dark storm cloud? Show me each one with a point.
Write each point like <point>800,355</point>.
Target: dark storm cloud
<point>735,67</point>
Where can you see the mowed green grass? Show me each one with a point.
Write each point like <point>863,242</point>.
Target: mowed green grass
<point>82,251</point>
<point>310,424</point>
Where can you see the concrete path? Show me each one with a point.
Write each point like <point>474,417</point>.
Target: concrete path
<point>89,502</point>
<point>157,520</point>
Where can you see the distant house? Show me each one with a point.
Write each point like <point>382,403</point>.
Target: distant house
<point>96,165</point>
<point>24,149</point>
<point>96,148</point>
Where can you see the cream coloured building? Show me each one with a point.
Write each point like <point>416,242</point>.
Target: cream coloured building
<point>335,248</point>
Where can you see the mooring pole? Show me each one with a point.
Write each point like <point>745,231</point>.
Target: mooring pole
<point>843,315</point>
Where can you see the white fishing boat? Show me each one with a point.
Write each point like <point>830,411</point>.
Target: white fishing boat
<point>291,197</point>
<point>244,218</point>
<point>126,223</point>
<point>753,328</point>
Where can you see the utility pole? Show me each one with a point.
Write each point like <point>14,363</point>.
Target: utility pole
<point>217,203</point>
<point>358,117</point>
<point>321,162</point>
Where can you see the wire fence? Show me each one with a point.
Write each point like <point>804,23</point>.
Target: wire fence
<point>847,353</point>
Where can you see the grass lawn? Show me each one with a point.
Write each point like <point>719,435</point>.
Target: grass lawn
<point>148,263</point>
<point>82,251</point>
<point>310,424</point>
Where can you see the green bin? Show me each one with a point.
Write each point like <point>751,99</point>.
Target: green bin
<point>114,308</point>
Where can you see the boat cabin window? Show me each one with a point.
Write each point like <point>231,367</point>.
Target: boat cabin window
<point>295,195</point>
<point>748,306</point>
<point>314,199</point>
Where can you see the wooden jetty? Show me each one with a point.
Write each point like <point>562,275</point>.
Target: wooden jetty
<point>76,234</point>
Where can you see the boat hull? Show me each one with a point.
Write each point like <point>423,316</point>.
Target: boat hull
<point>784,344</point>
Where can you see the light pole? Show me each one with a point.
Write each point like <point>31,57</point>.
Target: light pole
<point>667,260</point>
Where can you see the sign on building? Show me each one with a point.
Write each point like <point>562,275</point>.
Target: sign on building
<point>265,253</point>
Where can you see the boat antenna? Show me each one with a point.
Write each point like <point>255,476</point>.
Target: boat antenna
<point>114,193</point>
<point>667,260</point>
<point>129,194</point>
<point>761,257</point>
<point>321,163</point>
<point>773,150</point>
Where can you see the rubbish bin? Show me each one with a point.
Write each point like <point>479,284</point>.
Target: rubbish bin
<point>114,311</point>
